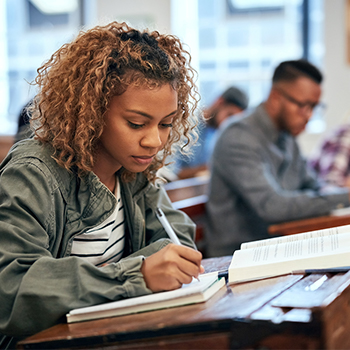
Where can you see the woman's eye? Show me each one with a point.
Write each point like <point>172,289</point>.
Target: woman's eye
<point>135,126</point>
<point>165,125</point>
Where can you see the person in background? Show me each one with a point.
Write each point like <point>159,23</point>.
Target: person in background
<point>232,102</point>
<point>23,125</point>
<point>259,176</point>
<point>77,202</point>
<point>331,161</point>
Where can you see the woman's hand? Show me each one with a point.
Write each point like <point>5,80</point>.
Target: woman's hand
<point>171,267</point>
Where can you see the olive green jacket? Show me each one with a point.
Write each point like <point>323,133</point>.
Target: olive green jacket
<point>42,208</point>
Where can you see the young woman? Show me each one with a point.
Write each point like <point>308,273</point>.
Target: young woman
<point>77,201</point>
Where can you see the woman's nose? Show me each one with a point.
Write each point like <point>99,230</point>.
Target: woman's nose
<point>152,138</point>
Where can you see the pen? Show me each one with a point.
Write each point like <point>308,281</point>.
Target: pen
<point>324,270</point>
<point>168,229</point>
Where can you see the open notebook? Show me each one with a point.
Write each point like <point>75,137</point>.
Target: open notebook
<point>195,292</point>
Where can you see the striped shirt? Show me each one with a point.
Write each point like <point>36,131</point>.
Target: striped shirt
<point>104,243</point>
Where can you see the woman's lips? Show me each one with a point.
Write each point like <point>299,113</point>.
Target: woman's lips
<point>144,160</point>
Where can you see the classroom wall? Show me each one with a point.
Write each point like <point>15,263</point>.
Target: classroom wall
<point>336,86</point>
<point>155,14</point>
<point>337,65</point>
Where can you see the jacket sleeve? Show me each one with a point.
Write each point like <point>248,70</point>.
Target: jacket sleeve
<point>36,288</point>
<point>241,165</point>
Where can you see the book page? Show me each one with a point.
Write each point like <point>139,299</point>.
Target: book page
<point>297,237</point>
<point>319,251</point>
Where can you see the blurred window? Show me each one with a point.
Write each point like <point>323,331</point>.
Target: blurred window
<point>30,32</point>
<point>240,42</point>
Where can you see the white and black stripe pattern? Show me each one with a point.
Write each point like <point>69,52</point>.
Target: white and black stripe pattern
<point>105,242</point>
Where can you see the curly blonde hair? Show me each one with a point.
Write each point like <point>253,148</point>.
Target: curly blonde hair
<point>77,83</point>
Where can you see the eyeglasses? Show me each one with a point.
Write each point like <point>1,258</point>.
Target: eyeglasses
<point>303,106</point>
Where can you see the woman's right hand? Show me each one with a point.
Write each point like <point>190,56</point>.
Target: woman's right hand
<point>171,267</point>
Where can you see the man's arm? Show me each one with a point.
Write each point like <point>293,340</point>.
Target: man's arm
<point>240,161</point>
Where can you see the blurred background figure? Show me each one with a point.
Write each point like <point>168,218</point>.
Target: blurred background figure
<point>258,174</point>
<point>332,158</point>
<point>23,129</point>
<point>232,102</point>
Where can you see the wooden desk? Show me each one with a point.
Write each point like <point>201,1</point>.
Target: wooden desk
<point>289,312</point>
<point>305,225</point>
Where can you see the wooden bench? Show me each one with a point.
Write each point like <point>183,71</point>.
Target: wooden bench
<point>189,195</point>
<point>6,142</point>
<point>310,224</point>
<point>187,188</point>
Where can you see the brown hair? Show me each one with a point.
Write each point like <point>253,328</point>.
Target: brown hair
<point>78,81</point>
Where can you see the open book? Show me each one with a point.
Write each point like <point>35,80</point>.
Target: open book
<point>322,249</point>
<point>195,292</point>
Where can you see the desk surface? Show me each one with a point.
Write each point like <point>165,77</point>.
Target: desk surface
<point>311,224</point>
<point>288,312</point>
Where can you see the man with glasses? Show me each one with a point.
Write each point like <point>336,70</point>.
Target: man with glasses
<point>258,175</point>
